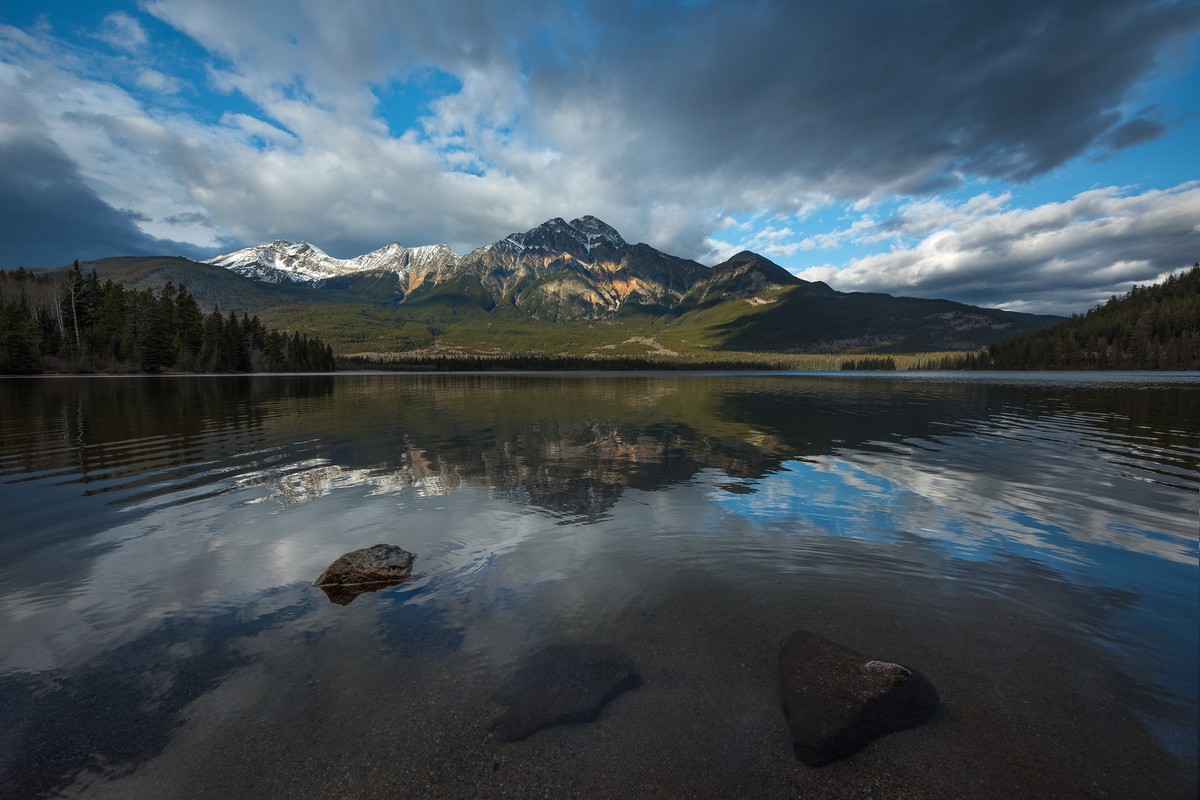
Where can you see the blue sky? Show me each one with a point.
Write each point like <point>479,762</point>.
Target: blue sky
<point>1036,156</point>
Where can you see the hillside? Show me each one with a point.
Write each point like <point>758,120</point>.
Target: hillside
<point>1151,327</point>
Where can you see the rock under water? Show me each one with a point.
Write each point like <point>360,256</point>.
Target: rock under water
<point>563,685</point>
<point>836,701</point>
<point>367,570</point>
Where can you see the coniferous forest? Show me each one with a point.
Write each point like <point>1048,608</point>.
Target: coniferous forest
<point>1151,327</point>
<point>75,323</point>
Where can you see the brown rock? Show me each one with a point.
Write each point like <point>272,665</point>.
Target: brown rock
<point>367,570</point>
<point>837,701</point>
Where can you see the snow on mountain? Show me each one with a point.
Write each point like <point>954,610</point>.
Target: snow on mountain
<point>300,262</point>
<point>597,232</point>
<point>281,262</point>
<point>577,237</point>
<point>586,239</point>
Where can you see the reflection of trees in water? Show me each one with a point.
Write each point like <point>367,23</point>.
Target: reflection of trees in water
<point>566,444</point>
<point>89,424</point>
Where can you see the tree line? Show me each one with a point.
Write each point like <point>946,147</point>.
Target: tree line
<point>1150,328</point>
<point>884,363</point>
<point>75,323</point>
<point>539,362</point>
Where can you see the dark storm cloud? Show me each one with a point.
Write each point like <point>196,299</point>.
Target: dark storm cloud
<point>855,97</point>
<point>51,216</point>
<point>1134,132</point>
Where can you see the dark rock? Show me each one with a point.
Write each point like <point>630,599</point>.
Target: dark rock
<point>563,685</point>
<point>367,570</point>
<point>837,701</point>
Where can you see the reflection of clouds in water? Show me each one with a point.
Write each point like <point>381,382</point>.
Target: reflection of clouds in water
<point>201,558</point>
<point>1012,488</point>
<point>104,715</point>
<point>175,560</point>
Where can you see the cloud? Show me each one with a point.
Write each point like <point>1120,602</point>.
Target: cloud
<point>1134,132</point>
<point>853,97</point>
<point>651,114</point>
<point>122,31</point>
<point>664,120</point>
<point>1055,258</point>
<point>155,81</point>
<point>53,217</point>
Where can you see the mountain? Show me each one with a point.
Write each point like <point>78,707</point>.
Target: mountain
<point>576,288</point>
<point>301,262</point>
<point>558,271</point>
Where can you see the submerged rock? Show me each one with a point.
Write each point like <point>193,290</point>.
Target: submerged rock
<point>837,701</point>
<point>563,685</point>
<point>367,570</point>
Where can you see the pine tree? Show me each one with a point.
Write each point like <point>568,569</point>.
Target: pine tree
<point>189,329</point>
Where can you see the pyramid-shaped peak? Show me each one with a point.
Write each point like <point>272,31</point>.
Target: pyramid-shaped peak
<point>577,238</point>
<point>749,257</point>
<point>598,228</point>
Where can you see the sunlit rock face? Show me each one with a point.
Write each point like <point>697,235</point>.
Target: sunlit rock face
<point>837,701</point>
<point>367,570</point>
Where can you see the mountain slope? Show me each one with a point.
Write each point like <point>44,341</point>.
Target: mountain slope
<point>210,285</point>
<point>813,318</point>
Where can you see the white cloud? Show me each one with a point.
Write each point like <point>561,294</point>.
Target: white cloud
<point>155,81</point>
<point>254,127</point>
<point>122,31</point>
<point>1054,258</point>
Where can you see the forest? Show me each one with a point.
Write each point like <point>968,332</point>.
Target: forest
<point>1151,327</point>
<point>74,323</point>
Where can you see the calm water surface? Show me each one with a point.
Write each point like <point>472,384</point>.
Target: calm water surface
<point>1029,543</point>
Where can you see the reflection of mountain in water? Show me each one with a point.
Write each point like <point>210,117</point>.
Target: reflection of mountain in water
<point>569,445</point>
<point>572,469</point>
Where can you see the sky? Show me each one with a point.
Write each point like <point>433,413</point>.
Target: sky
<point>1034,156</point>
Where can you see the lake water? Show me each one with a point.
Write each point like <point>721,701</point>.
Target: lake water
<point>1029,543</point>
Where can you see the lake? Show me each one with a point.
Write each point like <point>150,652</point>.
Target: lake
<point>1028,542</point>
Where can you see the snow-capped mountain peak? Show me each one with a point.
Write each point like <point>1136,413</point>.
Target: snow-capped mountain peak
<point>597,231</point>
<point>577,237</point>
<point>300,262</point>
<point>280,261</point>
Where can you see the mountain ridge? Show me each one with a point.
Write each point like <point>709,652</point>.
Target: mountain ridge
<point>559,270</point>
